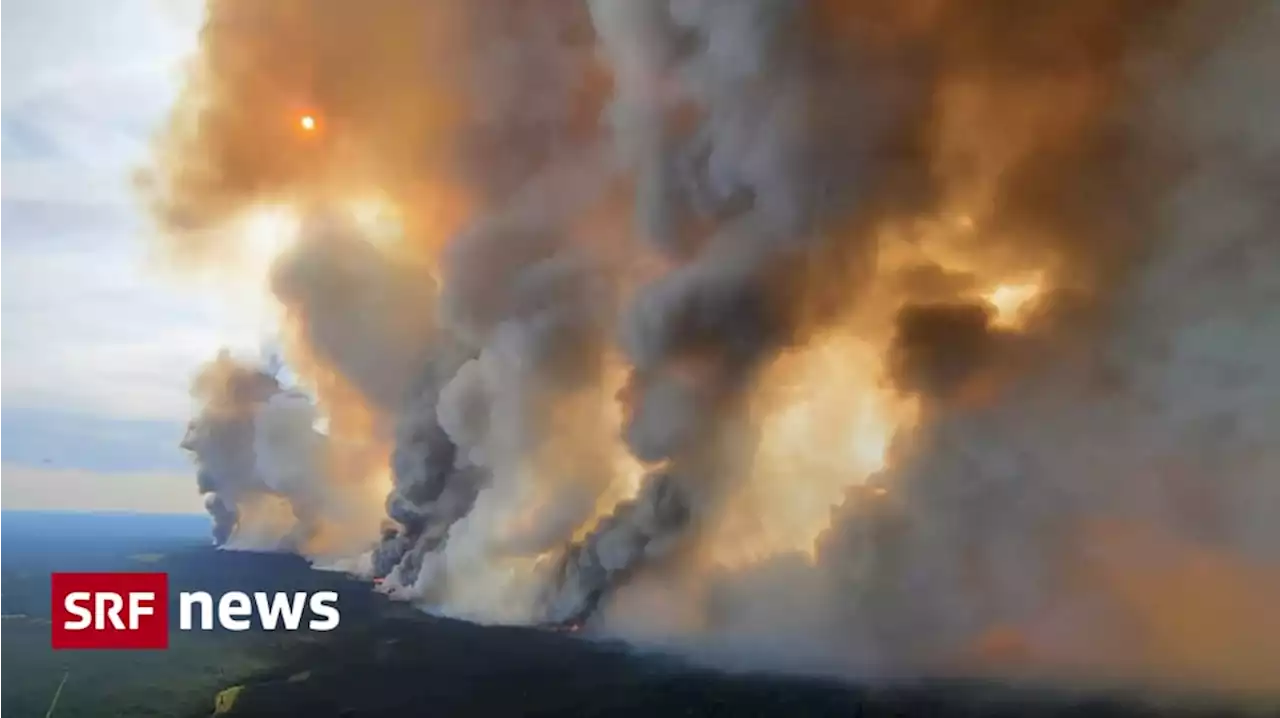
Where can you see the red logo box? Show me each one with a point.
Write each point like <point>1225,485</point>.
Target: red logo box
<point>110,610</point>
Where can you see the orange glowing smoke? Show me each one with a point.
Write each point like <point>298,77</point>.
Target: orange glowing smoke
<point>826,420</point>
<point>1011,302</point>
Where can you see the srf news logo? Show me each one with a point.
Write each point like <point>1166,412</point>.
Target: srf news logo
<point>131,610</point>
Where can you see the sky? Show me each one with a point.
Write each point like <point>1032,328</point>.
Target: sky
<point>99,346</point>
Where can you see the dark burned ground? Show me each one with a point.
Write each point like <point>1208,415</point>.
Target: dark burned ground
<point>389,660</point>
<point>444,668</point>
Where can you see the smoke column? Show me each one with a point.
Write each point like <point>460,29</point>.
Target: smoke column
<point>266,472</point>
<point>909,338</point>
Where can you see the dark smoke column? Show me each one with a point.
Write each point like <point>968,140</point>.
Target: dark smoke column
<point>738,180</point>
<point>221,438</point>
<point>521,308</point>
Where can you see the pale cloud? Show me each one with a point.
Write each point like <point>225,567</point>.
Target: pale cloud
<point>72,43</point>
<point>88,327</point>
<point>33,488</point>
<point>98,347</point>
<point>56,439</point>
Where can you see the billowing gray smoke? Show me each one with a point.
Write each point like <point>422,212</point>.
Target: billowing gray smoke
<point>711,116</point>
<point>1112,505</point>
<point>623,225</point>
<point>246,422</point>
<point>270,479</point>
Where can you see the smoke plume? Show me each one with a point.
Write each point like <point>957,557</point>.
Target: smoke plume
<point>926,337</point>
<point>264,469</point>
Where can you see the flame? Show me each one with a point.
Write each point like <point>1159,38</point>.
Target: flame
<point>826,416</point>
<point>826,422</point>
<point>626,471</point>
<point>307,123</point>
<point>1012,301</point>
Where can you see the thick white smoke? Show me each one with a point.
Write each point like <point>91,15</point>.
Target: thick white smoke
<point>909,338</point>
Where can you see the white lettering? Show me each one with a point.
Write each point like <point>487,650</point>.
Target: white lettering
<point>320,605</point>
<point>278,611</point>
<point>186,600</point>
<point>137,609</point>
<point>232,609</point>
<point>280,605</point>
<point>108,605</point>
<point>72,604</point>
